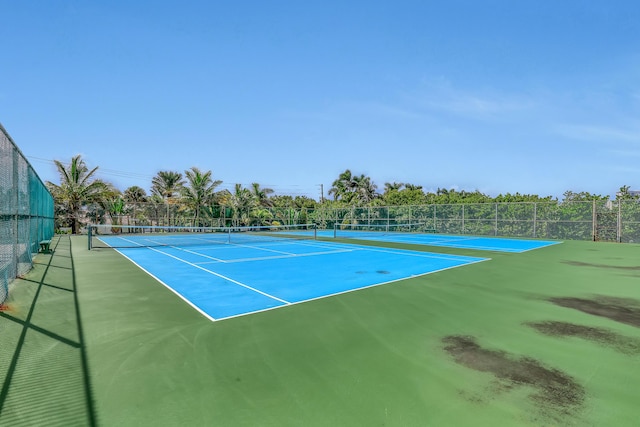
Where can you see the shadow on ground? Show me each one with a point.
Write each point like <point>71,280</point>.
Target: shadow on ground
<point>43,364</point>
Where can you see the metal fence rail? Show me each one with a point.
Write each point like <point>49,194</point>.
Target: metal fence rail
<point>591,220</point>
<point>26,213</point>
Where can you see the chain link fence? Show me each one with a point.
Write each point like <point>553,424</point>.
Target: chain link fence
<point>617,221</point>
<point>26,213</point>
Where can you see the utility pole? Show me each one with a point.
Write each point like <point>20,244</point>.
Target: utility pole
<point>321,193</point>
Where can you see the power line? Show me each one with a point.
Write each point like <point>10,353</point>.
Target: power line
<point>100,170</point>
<point>291,189</point>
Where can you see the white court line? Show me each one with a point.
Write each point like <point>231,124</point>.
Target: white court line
<point>430,255</point>
<point>262,249</point>
<point>183,298</point>
<point>540,247</point>
<point>408,252</point>
<point>168,242</point>
<point>283,256</point>
<point>441,240</point>
<point>400,251</point>
<point>484,248</point>
<point>155,242</point>
<point>199,254</point>
<point>352,247</point>
<point>222,276</point>
<point>354,289</point>
<point>346,248</point>
<point>174,247</point>
<point>215,243</point>
<point>491,248</point>
<point>121,238</point>
<point>453,243</point>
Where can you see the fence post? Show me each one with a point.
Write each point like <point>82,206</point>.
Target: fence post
<point>463,218</point>
<point>535,218</point>
<point>594,221</point>
<point>495,229</point>
<point>15,195</point>
<point>619,225</point>
<point>388,216</point>
<point>435,217</point>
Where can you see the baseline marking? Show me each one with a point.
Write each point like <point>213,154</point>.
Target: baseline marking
<point>183,298</point>
<point>420,254</point>
<point>355,289</point>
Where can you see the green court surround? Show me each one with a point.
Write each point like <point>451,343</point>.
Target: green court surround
<point>92,340</point>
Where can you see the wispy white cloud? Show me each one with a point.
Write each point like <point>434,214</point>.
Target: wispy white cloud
<point>630,170</point>
<point>604,134</point>
<point>476,106</point>
<point>341,110</point>
<point>425,102</point>
<point>388,110</point>
<point>440,95</point>
<point>625,153</point>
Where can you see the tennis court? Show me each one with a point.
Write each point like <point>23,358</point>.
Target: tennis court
<point>546,337</point>
<point>415,235</point>
<point>234,279</point>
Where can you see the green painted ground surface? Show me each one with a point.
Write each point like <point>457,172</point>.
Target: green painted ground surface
<point>548,337</point>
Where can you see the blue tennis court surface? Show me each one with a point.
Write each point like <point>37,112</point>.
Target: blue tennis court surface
<point>226,280</point>
<point>450,241</point>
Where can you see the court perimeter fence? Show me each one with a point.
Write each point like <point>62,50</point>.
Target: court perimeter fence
<point>608,220</point>
<point>26,213</point>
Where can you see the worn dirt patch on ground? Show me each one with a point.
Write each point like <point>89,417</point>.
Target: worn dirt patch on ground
<point>602,336</point>
<point>609,266</point>
<point>623,310</point>
<point>556,392</point>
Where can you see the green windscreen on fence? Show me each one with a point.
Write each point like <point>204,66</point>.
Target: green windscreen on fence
<point>26,213</point>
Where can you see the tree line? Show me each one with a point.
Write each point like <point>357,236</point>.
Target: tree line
<point>81,197</point>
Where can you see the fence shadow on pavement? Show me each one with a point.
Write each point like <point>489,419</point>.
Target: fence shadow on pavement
<point>44,376</point>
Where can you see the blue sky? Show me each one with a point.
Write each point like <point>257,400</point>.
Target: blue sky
<point>536,97</point>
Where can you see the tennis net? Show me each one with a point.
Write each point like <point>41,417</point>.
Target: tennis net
<point>355,231</point>
<point>134,236</point>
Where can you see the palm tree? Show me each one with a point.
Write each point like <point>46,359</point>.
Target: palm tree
<point>392,186</point>
<point>167,184</point>
<point>153,209</point>
<point>413,187</point>
<point>353,188</point>
<point>342,188</point>
<point>78,188</point>
<point>364,189</point>
<point>261,195</point>
<point>624,193</point>
<point>199,191</point>
<point>114,205</point>
<point>240,201</point>
<point>134,196</point>
<point>262,216</point>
